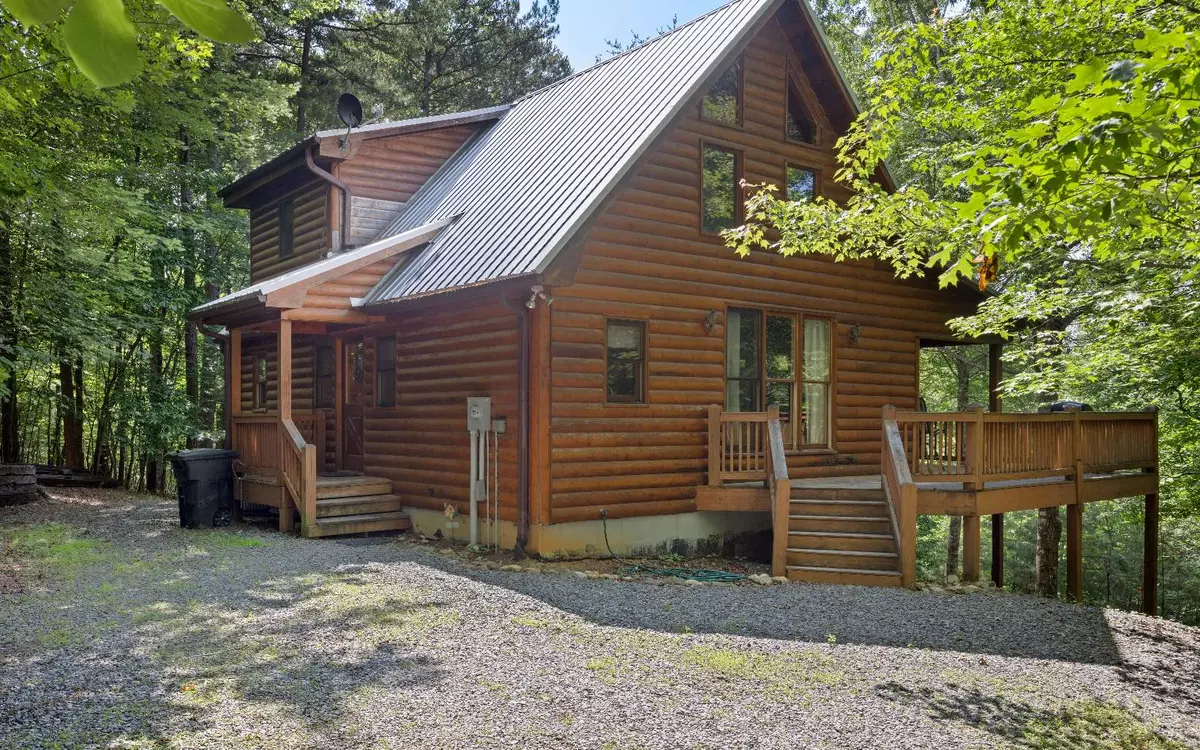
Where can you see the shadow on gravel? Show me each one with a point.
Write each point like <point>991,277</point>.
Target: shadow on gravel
<point>1081,725</point>
<point>1003,625</point>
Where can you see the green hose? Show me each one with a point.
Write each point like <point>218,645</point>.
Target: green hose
<point>706,576</point>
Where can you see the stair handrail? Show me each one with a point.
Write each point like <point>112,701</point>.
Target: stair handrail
<point>780,490</point>
<point>901,494</point>
<point>298,468</point>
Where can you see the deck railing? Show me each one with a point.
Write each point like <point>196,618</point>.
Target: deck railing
<point>779,487</point>
<point>298,472</point>
<point>256,439</point>
<point>978,447</point>
<point>737,446</point>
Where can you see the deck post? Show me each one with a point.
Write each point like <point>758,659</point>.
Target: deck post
<point>1150,557</point>
<point>1075,551</point>
<point>714,445</point>
<point>970,531</point>
<point>339,388</point>
<point>996,405</point>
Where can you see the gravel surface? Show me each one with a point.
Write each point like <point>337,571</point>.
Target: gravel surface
<point>118,629</point>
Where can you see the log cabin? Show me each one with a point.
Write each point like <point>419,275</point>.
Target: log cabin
<point>647,389</point>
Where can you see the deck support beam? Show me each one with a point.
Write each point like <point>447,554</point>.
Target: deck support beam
<point>970,531</point>
<point>996,404</point>
<point>1150,557</point>
<point>1075,551</point>
<point>339,397</point>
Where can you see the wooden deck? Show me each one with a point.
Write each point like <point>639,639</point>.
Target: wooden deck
<point>970,464</point>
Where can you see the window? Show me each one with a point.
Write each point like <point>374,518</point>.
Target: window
<point>356,362</point>
<point>800,125</point>
<point>625,363</point>
<point>723,102</point>
<point>325,378</point>
<point>720,206</point>
<point>762,350</point>
<point>801,183</point>
<point>385,372</point>
<point>286,219</point>
<point>260,383</point>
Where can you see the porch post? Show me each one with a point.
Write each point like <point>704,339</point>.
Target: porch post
<point>1075,550</point>
<point>1150,557</point>
<point>285,369</point>
<point>995,375</point>
<point>234,383</point>
<point>339,386</point>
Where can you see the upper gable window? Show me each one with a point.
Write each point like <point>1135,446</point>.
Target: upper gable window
<point>801,126</point>
<point>721,170</point>
<point>287,221</point>
<point>801,183</point>
<point>723,102</point>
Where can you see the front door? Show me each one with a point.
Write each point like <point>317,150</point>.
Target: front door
<point>352,407</point>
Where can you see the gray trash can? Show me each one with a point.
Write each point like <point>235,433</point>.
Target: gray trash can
<point>205,480</point>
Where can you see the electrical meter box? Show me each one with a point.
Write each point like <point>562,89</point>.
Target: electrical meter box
<point>479,414</point>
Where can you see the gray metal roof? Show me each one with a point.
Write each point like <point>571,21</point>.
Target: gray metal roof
<point>525,185</point>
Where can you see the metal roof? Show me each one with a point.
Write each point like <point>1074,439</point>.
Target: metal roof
<point>531,180</point>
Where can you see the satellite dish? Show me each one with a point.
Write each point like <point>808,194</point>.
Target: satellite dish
<point>349,110</point>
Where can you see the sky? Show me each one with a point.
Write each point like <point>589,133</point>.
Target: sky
<point>585,24</point>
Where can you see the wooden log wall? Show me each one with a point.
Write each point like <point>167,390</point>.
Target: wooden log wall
<point>443,355</point>
<point>645,258</point>
<point>384,173</point>
<point>310,231</point>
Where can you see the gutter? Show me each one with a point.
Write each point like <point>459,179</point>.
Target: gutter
<point>343,235</point>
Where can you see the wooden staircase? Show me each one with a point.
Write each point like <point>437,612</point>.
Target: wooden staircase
<point>355,505</point>
<point>841,536</point>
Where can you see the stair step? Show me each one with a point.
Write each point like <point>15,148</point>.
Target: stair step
<point>329,487</point>
<point>839,524</point>
<point>840,558</point>
<point>817,507</point>
<point>831,493</point>
<point>330,507</point>
<point>361,523</point>
<point>842,540</point>
<point>843,576</point>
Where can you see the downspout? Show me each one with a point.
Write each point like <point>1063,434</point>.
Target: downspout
<point>522,310</point>
<point>346,196</point>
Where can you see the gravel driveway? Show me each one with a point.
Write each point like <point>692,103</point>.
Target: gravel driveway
<point>118,629</point>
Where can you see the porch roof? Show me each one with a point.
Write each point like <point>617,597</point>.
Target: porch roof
<point>287,291</point>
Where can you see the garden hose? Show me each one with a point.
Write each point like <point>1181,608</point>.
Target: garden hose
<point>705,576</point>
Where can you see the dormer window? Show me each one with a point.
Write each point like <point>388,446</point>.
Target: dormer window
<point>723,102</point>
<point>801,126</point>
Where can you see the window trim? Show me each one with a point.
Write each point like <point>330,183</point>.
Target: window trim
<point>816,173</point>
<point>790,80</point>
<point>739,199</point>
<point>642,396</point>
<point>799,315</point>
<point>290,204</point>
<point>379,373</point>
<point>740,62</point>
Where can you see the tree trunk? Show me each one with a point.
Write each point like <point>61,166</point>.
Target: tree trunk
<point>1049,532</point>
<point>191,375</point>
<point>10,446</point>
<point>962,380</point>
<point>72,413</point>
<point>302,88</point>
<point>427,82</point>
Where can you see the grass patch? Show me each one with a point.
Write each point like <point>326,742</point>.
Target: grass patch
<point>58,546</point>
<point>1095,726</point>
<point>786,675</point>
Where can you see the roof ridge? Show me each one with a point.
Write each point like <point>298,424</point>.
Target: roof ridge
<point>624,53</point>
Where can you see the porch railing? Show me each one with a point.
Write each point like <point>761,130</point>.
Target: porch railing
<point>256,439</point>
<point>274,447</point>
<point>779,487</point>
<point>737,446</point>
<point>298,472</point>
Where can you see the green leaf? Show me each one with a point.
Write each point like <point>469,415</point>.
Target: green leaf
<point>212,18</point>
<point>102,41</point>
<point>36,12</point>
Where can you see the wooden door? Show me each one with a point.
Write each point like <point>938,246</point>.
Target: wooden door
<point>353,407</point>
